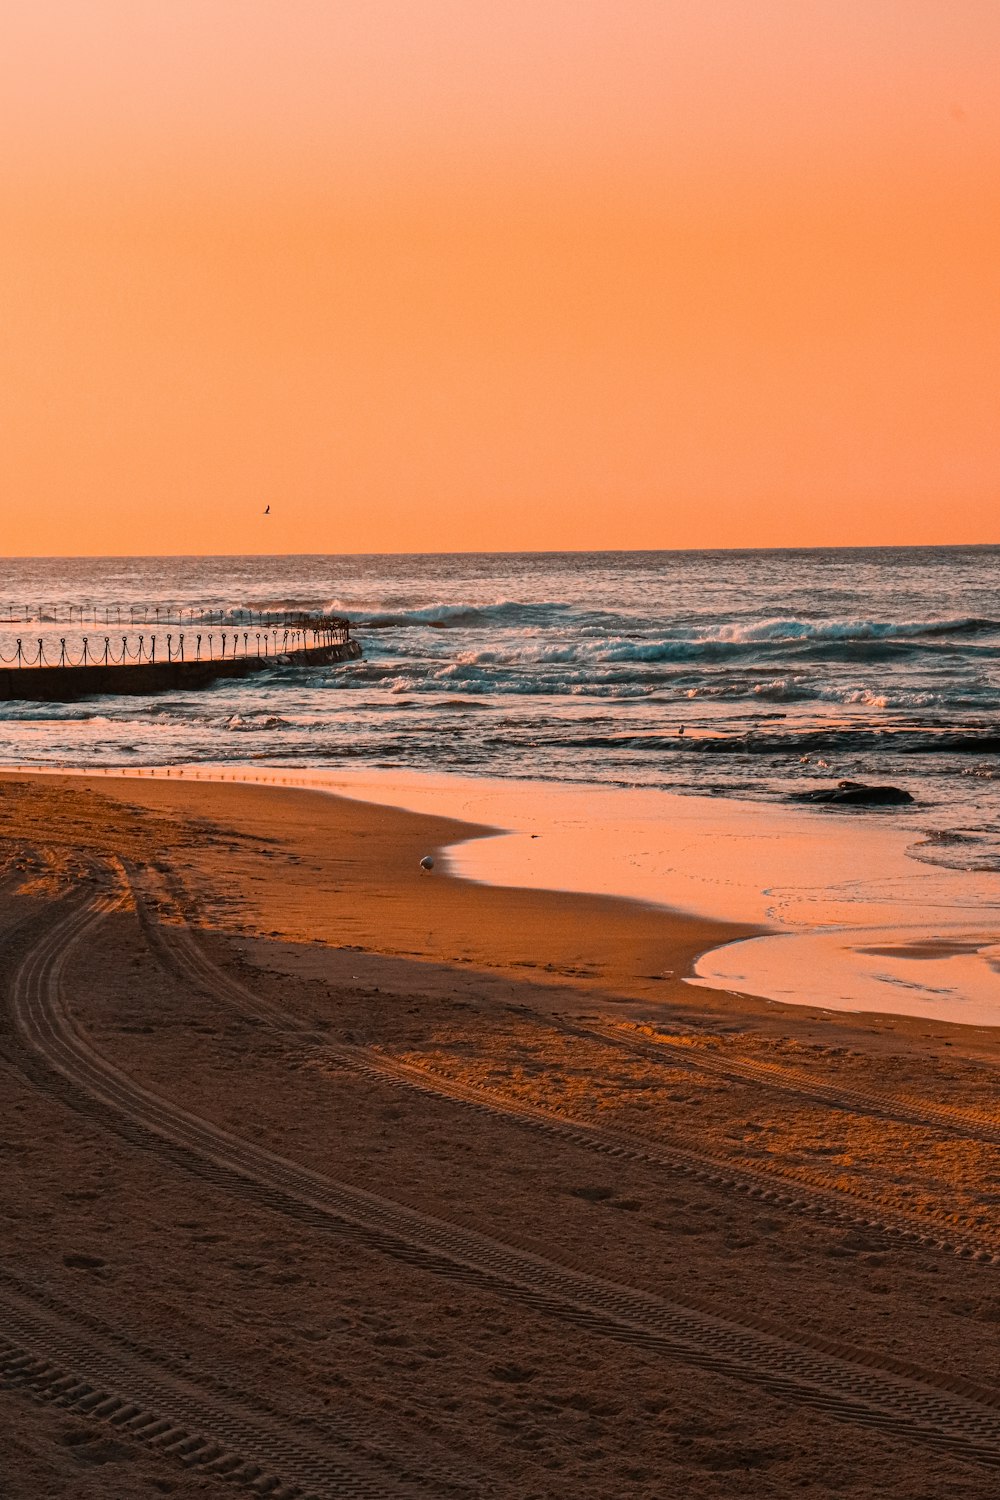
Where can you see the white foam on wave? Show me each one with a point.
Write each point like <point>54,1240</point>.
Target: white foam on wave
<point>524,614</point>
<point>785,629</point>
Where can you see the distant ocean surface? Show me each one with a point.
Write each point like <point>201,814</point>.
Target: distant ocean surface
<point>785,670</point>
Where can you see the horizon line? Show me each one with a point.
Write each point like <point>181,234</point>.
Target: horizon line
<point>506,552</point>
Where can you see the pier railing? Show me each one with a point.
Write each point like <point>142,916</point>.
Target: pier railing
<point>132,615</point>
<point>208,636</point>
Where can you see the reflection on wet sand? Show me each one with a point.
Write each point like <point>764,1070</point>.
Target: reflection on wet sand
<point>844,900</point>
<point>838,889</point>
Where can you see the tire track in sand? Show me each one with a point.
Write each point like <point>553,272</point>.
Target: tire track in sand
<point>793,1190</point>
<point>58,1355</point>
<point>157,1397</point>
<point>971,1125</point>
<point>947,1414</point>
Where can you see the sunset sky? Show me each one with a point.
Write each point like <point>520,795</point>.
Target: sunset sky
<point>461,274</point>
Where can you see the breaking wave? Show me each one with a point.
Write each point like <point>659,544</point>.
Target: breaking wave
<point>515,614</point>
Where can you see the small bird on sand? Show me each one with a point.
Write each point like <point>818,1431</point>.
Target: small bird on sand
<point>427,863</point>
<point>267,510</point>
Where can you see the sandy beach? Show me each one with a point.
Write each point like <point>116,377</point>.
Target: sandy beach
<point>328,1177</point>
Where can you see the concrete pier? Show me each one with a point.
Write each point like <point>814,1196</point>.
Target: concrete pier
<point>66,684</point>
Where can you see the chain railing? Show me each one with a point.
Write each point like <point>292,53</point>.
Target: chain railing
<point>131,615</point>
<point>300,633</point>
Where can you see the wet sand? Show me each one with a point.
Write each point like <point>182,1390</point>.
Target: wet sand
<point>856,899</point>
<point>375,1179</point>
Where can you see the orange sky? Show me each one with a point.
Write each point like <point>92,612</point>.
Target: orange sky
<point>442,275</point>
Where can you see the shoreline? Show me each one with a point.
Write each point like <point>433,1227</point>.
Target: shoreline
<point>641,957</point>
<point>905,938</point>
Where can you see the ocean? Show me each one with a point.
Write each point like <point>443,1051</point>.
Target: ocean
<point>733,674</point>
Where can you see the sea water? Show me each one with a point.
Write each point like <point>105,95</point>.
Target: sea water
<point>749,674</point>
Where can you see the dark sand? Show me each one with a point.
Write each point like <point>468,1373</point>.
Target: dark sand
<point>222,1302</point>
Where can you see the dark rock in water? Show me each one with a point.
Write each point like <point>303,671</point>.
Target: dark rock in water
<point>873,795</point>
<point>855,794</point>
